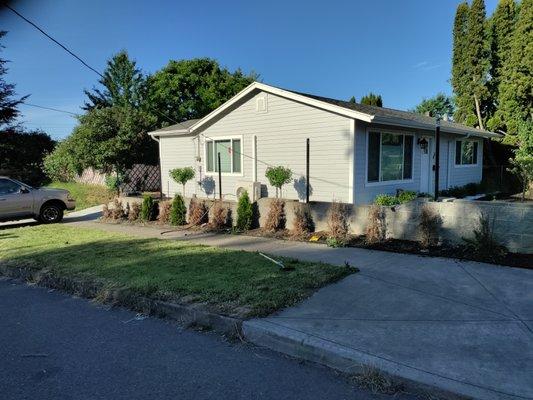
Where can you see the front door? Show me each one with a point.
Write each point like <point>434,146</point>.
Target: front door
<point>427,160</point>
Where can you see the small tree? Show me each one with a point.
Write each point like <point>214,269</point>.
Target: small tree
<point>178,211</point>
<point>522,164</point>
<point>182,175</point>
<point>244,212</point>
<point>278,176</point>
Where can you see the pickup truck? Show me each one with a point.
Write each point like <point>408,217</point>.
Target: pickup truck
<point>20,201</point>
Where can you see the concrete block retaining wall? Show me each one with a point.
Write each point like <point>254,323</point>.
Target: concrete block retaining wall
<point>512,222</point>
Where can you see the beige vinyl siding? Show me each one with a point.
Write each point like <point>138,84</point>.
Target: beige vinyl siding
<point>281,134</point>
<point>176,152</point>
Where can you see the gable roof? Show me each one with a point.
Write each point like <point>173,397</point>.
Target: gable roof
<point>372,114</point>
<point>181,128</point>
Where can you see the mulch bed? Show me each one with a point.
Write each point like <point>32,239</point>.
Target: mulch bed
<point>460,252</point>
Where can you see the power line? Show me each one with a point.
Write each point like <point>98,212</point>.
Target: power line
<point>51,109</point>
<point>54,40</point>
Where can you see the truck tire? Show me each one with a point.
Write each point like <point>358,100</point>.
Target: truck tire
<point>51,213</point>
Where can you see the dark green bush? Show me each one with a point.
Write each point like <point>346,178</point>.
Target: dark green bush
<point>178,211</point>
<point>406,196</point>
<point>147,208</point>
<point>470,189</point>
<point>244,212</point>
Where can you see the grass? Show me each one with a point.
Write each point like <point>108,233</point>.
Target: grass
<point>230,282</point>
<point>84,194</point>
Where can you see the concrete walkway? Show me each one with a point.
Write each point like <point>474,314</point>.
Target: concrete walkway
<point>463,327</point>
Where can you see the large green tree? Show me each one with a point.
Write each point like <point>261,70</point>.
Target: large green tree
<point>478,59</point>
<point>372,99</point>
<point>460,72</point>
<point>516,88</point>
<point>8,101</point>
<point>439,105</point>
<point>189,89</point>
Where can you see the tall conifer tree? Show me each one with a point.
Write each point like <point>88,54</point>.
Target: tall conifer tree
<point>460,71</point>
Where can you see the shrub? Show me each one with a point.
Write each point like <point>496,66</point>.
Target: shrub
<point>244,212</point>
<point>106,212</point>
<point>406,196</point>
<point>182,175</point>
<point>338,224</point>
<point>178,211</point>
<point>117,212</point>
<point>470,189</point>
<point>302,223</point>
<point>276,216</point>
<point>147,208</point>
<point>220,215</point>
<point>163,217</point>
<point>386,200</point>
<point>197,212</point>
<point>376,227</point>
<point>429,226</point>
<point>278,176</point>
<point>483,244</point>
<point>135,212</point>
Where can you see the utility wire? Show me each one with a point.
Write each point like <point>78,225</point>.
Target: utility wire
<point>51,108</point>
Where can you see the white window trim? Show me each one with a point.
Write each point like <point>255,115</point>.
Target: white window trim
<point>398,181</point>
<point>220,138</point>
<point>476,164</point>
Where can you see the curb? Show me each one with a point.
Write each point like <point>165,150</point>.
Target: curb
<point>351,361</point>
<point>186,314</point>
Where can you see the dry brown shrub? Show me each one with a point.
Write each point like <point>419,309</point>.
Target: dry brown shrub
<point>117,212</point>
<point>135,211</point>
<point>220,216</point>
<point>197,212</point>
<point>164,212</point>
<point>338,223</point>
<point>430,222</point>
<point>303,222</point>
<point>276,216</point>
<point>376,228</point>
<point>106,212</point>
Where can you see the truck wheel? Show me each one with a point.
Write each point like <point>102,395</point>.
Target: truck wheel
<point>51,213</point>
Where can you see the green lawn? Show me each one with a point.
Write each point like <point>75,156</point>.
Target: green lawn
<point>85,195</point>
<point>232,282</point>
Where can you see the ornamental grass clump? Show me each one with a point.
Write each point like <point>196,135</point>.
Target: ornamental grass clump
<point>376,228</point>
<point>484,244</point>
<point>135,212</point>
<point>276,216</point>
<point>220,216</point>
<point>178,211</point>
<point>302,223</point>
<point>197,212</point>
<point>117,211</point>
<point>338,225</point>
<point>245,212</point>
<point>163,218</point>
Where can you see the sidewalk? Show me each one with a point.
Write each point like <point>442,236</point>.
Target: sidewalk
<point>463,327</point>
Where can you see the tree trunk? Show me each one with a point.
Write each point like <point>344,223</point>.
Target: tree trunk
<point>478,112</point>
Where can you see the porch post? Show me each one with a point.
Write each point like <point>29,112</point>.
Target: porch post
<point>437,157</point>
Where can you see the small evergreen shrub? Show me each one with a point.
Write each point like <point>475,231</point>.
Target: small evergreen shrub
<point>245,212</point>
<point>429,226</point>
<point>376,227</point>
<point>197,212</point>
<point>147,208</point>
<point>303,222</point>
<point>220,216</point>
<point>163,217</point>
<point>178,211</point>
<point>278,176</point>
<point>135,212</point>
<point>338,225</point>
<point>276,216</point>
<point>483,244</point>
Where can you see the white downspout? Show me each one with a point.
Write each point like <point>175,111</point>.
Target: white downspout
<point>254,158</point>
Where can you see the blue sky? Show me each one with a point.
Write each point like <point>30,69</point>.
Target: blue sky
<point>400,49</point>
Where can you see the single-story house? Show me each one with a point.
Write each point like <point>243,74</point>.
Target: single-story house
<point>355,151</point>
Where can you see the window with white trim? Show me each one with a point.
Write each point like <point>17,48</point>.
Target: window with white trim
<point>389,157</point>
<point>230,155</point>
<point>465,152</point>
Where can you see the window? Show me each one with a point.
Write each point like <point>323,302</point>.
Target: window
<point>8,187</point>
<point>230,155</point>
<point>390,157</point>
<point>465,152</point>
